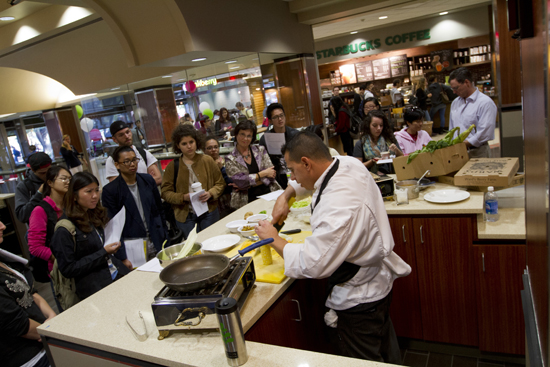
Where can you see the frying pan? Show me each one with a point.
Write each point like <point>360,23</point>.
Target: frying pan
<point>196,272</point>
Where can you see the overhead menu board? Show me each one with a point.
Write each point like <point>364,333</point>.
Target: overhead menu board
<point>381,69</point>
<point>399,66</point>
<point>442,59</point>
<point>364,71</point>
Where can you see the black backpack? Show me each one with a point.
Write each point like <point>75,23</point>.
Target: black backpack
<point>142,154</point>
<point>354,120</point>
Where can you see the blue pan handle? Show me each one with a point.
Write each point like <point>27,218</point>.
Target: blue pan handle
<point>255,245</point>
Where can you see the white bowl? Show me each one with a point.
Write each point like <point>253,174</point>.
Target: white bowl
<point>248,233</point>
<point>220,243</point>
<point>234,225</point>
<point>256,218</point>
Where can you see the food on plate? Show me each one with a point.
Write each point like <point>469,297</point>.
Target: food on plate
<point>302,203</point>
<point>248,214</point>
<point>248,228</point>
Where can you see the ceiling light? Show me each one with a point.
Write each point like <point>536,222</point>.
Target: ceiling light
<point>115,88</point>
<point>354,32</point>
<point>167,76</point>
<point>199,59</point>
<point>257,88</point>
<point>235,67</point>
<point>7,18</point>
<point>444,13</point>
<point>230,62</point>
<point>383,17</point>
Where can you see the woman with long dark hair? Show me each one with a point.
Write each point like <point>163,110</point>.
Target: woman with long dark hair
<point>84,256</point>
<point>376,137</point>
<point>224,124</point>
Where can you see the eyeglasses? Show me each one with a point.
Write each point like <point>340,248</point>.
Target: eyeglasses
<point>456,88</point>
<point>130,162</point>
<point>278,117</point>
<point>64,179</point>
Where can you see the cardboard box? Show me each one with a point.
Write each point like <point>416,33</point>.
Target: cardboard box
<point>487,172</point>
<point>385,100</point>
<point>517,180</point>
<point>441,162</point>
<point>427,127</point>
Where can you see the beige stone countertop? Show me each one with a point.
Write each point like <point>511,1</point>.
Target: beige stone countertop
<point>6,196</point>
<point>472,205</point>
<point>100,320</point>
<point>510,225</point>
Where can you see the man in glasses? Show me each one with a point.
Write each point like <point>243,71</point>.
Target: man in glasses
<point>122,135</point>
<point>472,107</point>
<point>276,114</point>
<point>137,193</point>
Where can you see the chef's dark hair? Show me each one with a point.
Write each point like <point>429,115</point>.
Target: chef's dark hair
<point>461,75</point>
<point>306,144</point>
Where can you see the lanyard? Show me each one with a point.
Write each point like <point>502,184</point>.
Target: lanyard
<point>100,238</point>
<point>329,175</point>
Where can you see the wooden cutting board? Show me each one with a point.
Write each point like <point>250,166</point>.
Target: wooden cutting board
<point>274,273</point>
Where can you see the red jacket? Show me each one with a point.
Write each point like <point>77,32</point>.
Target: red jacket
<point>341,124</point>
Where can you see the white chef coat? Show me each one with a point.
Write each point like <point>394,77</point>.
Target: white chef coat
<point>349,224</point>
<point>111,171</point>
<point>477,109</point>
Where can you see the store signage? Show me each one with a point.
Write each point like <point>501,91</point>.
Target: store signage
<point>365,46</point>
<point>205,82</point>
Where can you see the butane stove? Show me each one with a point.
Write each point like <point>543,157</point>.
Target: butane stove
<point>174,310</point>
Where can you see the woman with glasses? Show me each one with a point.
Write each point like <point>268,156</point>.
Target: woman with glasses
<point>43,219</point>
<point>376,137</point>
<point>145,225</point>
<point>191,168</point>
<point>369,104</point>
<point>84,255</point>
<point>249,167</point>
<point>412,137</point>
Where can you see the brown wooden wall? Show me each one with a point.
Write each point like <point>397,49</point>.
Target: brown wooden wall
<point>69,125</point>
<point>510,76</point>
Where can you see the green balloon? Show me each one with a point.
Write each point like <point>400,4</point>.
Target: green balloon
<point>79,111</point>
<point>208,112</point>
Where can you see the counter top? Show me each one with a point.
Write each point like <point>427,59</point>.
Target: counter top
<point>510,225</point>
<point>104,326</point>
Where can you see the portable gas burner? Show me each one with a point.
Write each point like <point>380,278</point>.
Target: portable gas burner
<point>174,310</point>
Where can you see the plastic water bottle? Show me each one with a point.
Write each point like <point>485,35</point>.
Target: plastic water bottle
<point>491,205</point>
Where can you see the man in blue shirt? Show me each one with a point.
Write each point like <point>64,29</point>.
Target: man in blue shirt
<point>472,107</point>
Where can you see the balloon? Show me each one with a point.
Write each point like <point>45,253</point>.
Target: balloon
<point>204,106</point>
<point>190,86</point>
<point>79,111</point>
<point>86,124</point>
<point>141,112</point>
<point>208,112</point>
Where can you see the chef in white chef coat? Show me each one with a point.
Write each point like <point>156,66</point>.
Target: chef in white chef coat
<point>351,244</point>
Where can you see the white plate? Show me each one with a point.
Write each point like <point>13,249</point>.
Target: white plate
<point>220,243</point>
<point>256,218</point>
<point>446,196</point>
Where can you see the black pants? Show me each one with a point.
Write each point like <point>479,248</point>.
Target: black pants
<point>366,332</point>
<point>347,143</point>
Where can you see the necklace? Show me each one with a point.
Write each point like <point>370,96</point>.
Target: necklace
<point>245,156</point>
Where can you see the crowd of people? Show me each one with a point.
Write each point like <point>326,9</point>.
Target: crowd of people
<point>67,214</point>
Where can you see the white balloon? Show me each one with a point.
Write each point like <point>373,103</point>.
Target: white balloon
<point>141,112</point>
<point>204,106</point>
<point>87,124</point>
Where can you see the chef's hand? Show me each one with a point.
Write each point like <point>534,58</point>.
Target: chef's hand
<point>112,247</point>
<point>205,197</point>
<point>128,264</point>
<point>266,230</point>
<point>281,208</point>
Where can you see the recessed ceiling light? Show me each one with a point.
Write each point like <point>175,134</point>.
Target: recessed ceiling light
<point>354,32</point>
<point>230,62</point>
<point>199,59</point>
<point>444,13</point>
<point>115,88</point>
<point>7,18</point>
<point>383,17</point>
<point>167,76</point>
<point>235,67</point>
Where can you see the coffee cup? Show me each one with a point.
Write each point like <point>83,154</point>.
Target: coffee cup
<point>385,155</point>
<point>196,187</point>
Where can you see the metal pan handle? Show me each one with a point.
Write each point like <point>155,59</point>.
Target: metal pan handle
<point>255,245</point>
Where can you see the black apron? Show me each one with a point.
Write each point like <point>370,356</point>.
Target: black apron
<point>346,270</point>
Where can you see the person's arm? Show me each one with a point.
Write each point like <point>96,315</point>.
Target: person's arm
<point>45,308</point>
<point>267,172</point>
<point>110,170</point>
<point>63,249</point>
<point>153,168</point>
<point>239,174</point>
<point>485,126</point>
<point>24,203</point>
<point>281,209</point>
<point>167,188</point>
<point>36,235</point>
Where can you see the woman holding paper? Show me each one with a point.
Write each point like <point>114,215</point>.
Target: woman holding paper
<point>249,167</point>
<point>192,206</point>
<point>84,255</point>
